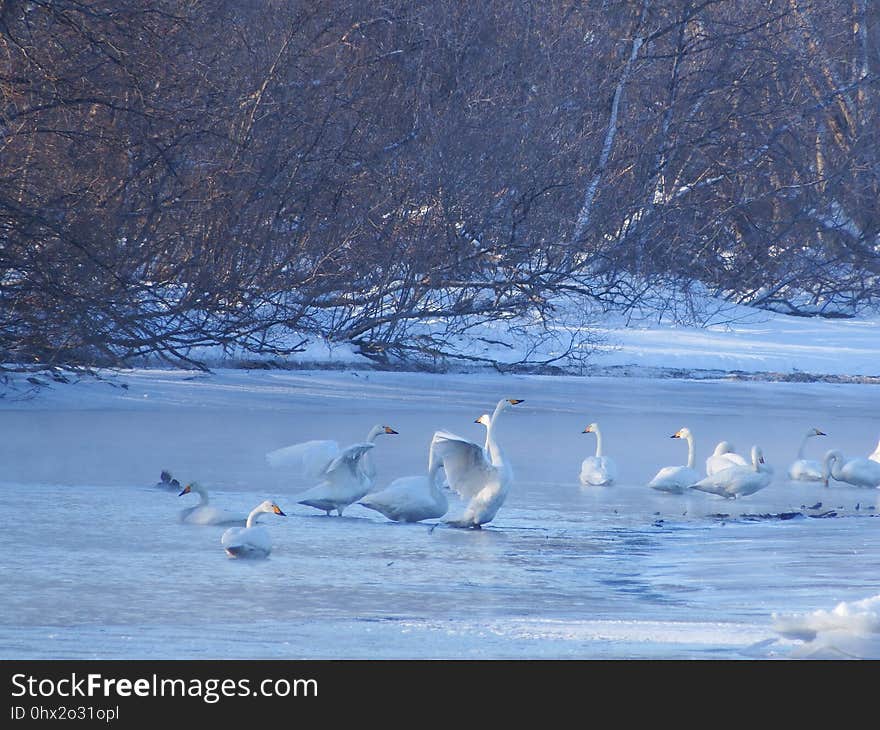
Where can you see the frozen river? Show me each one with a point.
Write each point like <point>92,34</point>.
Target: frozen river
<point>97,566</point>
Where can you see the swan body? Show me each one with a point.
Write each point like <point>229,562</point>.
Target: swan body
<point>252,540</point>
<point>858,471</point>
<point>345,481</point>
<point>806,470</point>
<point>598,470</point>
<point>410,499</point>
<point>676,479</point>
<point>738,481</point>
<point>166,481</point>
<point>310,459</point>
<point>723,457</point>
<point>207,514</point>
<point>480,474</point>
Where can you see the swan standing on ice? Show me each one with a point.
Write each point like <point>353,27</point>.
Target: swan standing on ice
<point>251,541</point>
<point>806,470</point>
<point>480,474</point>
<point>346,474</point>
<point>410,499</point>
<point>166,481</point>
<point>723,457</point>
<point>738,481</point>
<point>206,514</point>
<point>597,470</point>
<point>858,471</point>
<point>676,479</point>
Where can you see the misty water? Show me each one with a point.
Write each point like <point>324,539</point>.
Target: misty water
<point>96,564</point>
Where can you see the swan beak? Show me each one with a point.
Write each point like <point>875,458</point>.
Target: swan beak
<point>514,401</point>
<point>277,510</point>
<point>587,430</point>
<point>388,429</point>
<point>186,490</point>
<point>675,435</point>
<point>477,420</point>
<point>820,433</point>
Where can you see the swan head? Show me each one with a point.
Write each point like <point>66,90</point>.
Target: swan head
<point>816,432</point>
<point>592,428</point>
<point>682,433</point>
<point>379,429</point>
<point>191,487</point>
<point>485,419</point>
<point>270,507</point>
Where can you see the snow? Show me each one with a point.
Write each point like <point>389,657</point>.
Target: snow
<point>98,566</point>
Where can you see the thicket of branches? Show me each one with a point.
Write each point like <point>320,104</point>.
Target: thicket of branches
<point>176,173</point>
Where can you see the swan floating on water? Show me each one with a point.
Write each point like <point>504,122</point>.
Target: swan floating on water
<point>858,471</point>
<point>207,514</point>
<point>723,457</point>
<point>850,631</point>
<point>410,499</point>
<point>676,479</point>
<point>803,469</point>
<point>251,541</point>
<point>347,477</point>
<point>166,481</point>
<point>738,481</point>
<point>480,474</point>
<point>597,470</point>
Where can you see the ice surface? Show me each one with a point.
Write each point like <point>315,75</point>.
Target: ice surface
<point>97,565</point>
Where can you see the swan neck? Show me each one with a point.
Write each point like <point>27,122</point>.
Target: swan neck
<point>598,441</point>
<point>374,431</point>
<point>692,452</point>
<point>492,447</point>
<point>255,512</point>
<point>800,454</point>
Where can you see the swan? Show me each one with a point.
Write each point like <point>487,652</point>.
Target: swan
<point>676,479</point>
<point>480,474</point>
<point>346,479</point>
<point>875,455</point>
<point>806,470</point>
<point>251,541</point>
<point>723,457</point>
<point>410,499</point>
<point>738,481</point>
<point>858,471</point>
<point>597,470</point>
<point>311,459</point>
<point>206,514</point>
<point>166,481</point>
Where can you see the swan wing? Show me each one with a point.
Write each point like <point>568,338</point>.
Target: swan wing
<point>347,462</point>
<point>467,469</point>
<point>309,458</point>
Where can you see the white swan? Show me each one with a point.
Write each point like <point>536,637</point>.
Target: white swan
<point>346,479</point>
<point>875,455</point>
<point>410,499</point>
<point>251,541</point>
<point>480,474</point>
<point>676,479</point>
<point>166,481</point>
<point>206,514</point>
<point>738,481</point>
<point>723,457</point>
<point>310,459</point>
<point>857,471</point>
<point>806,470</point>
<point>597,470</point>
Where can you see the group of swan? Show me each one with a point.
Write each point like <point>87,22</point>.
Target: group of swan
<point>729,475</point>
<point>479,474</point>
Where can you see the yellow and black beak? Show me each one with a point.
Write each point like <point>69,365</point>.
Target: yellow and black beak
<point>676,435</point>
<point>477,420</point>
<point>514,401</point>
<point>820,433</point>
<point>587,430</point>
<point>277,510</point>
<point>186,490</point>
<point>388,429</point>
